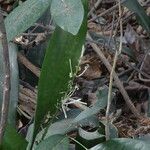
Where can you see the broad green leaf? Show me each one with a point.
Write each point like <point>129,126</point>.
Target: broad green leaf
<point>134,6</point>
<point>68,14</point>
<point>100,104</point>
<point>12,140</point>
<point>123,144</point>
<point>63,48</point>
<point>29,133</point>
<point>73,113</point>
<point>88,139</point>
<point>145,137</point>
<point>14,82</point>
<point>61,127</point>
<point>66,125</point>
<point>55,142</point>
<point>23,17</point>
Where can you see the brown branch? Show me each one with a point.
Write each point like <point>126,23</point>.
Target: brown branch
<point>95,7</point>
<point>28,64</point>
<point>6,84</point>
<point>118,52</point>
<point>117,80</point>
<point>104,13</point>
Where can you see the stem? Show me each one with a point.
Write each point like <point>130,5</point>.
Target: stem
<point>118,52</point>
<point>95,7</point>
<point>110,95</point>
<point>6,84</point>
<point>117,80</point>
<point>78,143</point>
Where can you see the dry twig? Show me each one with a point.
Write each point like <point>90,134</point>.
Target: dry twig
<point>28,64</point>
<point>95,6</point>
<point>104,13</point>
<point>117,80</point>
<point>118,52</point>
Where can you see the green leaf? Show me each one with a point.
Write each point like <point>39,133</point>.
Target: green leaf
<point>14,82</point>
<point>68,14</point>
<point>73,113</point>
<point>55,142</point>
<point>134,6</point>
<point>88,139</point>
<point>66,125</point>
<point>63,127</point>
<point>100,104</point>
<point>63,47</point>
<point>113,131</point>
<point>145,137</point>
<point>23,17</point>
<point>90,135</point>
<point>123,144</point>
<point>12,140</point>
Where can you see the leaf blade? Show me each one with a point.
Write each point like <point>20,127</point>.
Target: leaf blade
<point>123,144</point>
<point>14,82</point>
<point>140,12</point>
<point>100,104</point>
<point>20,18</point>
<point>12,140</point>
<point>54,142</point>
<point>68,14</point>
<point>56,68</point>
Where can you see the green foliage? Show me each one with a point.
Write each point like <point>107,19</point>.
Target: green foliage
<point>63,47</point>
<point>14,84</point>
<point>67,125</point>
<point>88,139</point>
<point>122,144</point>
<point>68,14</point>
<point>12,140</point>
<point>23,17</point>
<point>63,126</point>
<point>55,142</point>
<point>113,131</point>
<point>100,104</point>
<point>134,6</point>
<point>61,59</point>
<point>16,22</point>
<point>85,118</point>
